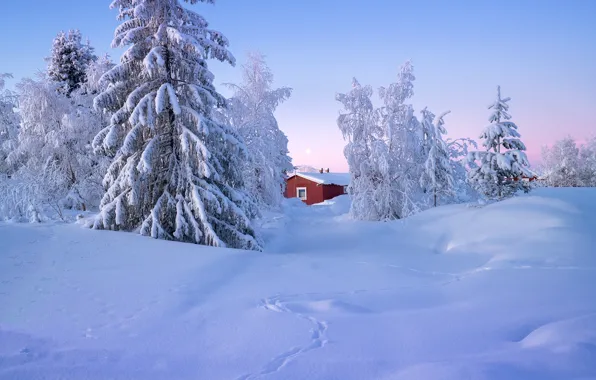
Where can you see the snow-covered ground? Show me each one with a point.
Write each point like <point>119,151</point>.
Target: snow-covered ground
<point>505,291</point>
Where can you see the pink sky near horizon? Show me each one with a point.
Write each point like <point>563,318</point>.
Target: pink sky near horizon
<point>319,132</point>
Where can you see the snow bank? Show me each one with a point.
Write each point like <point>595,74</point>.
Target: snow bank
<point>504,291</point>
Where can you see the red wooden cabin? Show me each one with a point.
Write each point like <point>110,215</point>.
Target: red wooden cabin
<point>314,188</point>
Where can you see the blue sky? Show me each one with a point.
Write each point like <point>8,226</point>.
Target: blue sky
<point>542,53</point>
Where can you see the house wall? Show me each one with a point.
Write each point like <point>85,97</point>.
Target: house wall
<point>314,191</point>
<point>332,191</point>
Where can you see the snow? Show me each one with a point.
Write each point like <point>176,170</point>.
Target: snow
<point>304,169</point>
<point>500,291</point>
<point>341,179</point>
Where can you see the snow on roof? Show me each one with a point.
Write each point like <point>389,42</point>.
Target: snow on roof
<point>341,179</point>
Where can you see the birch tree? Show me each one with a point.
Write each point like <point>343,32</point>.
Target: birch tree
<point>251,113</point>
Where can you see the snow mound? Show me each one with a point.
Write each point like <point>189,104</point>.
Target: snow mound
<point>564,335</point>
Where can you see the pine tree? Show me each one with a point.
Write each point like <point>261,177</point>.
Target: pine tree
<point>498,171</point>
<point>69,60</point>
<point>437,177</point>
<point>175,173</point>
<point>251,113</point>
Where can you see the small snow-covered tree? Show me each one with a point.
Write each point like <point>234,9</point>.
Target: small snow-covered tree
<point>458,153</point>
<point>498,171</point>
<point>437,175</point>
<point>251,113</point>
<point>176,171</point>
<point>367,155</point>
<point>69,60</point>
<point>561,163</point>
<point>9,124</point>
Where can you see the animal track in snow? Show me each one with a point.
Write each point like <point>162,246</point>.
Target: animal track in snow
<point>279,304</point>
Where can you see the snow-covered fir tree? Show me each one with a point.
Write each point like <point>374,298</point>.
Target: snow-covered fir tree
<point>437,176</point>
<point>69,60</point>
<point>368,156</point>
<point>498,171</point>
<point>176,171</point>
<point>251,113</point>
<point>9,124</point>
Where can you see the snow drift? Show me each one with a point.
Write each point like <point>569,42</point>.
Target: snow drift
<point>503,291</point>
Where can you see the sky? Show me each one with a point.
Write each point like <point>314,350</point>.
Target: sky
<point>541,52</point>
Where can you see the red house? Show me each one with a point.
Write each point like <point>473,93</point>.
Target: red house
<point>314,188</point>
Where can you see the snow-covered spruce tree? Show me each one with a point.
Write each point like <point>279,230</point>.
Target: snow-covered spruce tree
<point>175,173</point>
<point>69,60</point>
<point>498,171</point>
<point>251,113</point>
<point>368,156</point>
<point>9,124</point>
<point>402,132</point>
<point>437,176</point>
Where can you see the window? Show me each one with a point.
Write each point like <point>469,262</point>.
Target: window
<point>301,193</point>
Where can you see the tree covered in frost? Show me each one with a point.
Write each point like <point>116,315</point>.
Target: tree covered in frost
<point>251,113</point>
<point>176,171</point>
<point>69,60</point>
<point>561,164</point>
<point>397,161</point>
<point>96,69</point>
<point>587,163</point>
<point>458,153</point>
<point>367,155</point>
<point>9,123</point>
<point>54,141</point>
<point>567,164</point>
<point>403,135</point>
<point>437,176</point>
<point>498,171</point>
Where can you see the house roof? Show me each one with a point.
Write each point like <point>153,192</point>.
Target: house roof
<point>341,179</point>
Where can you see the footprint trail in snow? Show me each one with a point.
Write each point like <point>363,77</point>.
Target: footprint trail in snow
<point>318,337</point>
